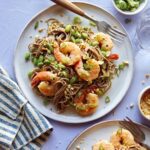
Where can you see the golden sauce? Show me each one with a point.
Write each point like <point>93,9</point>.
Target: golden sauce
<point>145,104</point>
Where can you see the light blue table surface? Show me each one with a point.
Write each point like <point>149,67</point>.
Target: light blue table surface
<point>14,14</point>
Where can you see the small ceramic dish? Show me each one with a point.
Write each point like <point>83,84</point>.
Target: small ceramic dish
<point>139,9</point>
<point>143,93</point>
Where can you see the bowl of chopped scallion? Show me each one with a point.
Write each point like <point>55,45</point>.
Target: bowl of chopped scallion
<point>129,7</point>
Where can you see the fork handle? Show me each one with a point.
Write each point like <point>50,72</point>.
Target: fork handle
<point>72,7</point>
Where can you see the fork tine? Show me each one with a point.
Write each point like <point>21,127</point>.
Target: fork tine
<point>116,30</point>
<point>116,40</point>
<point>115,33</point>
<point>136,127</point>
<point>115,37</point>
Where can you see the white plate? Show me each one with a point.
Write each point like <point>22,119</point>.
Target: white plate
<point>120,84</point>
<point>100,131</point>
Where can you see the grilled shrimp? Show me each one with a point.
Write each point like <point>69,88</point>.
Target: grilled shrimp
<point>103,145</point>
<point>92,71</point>
<point>68,53</point>
<point>86,104</point>
<point>105,41</point>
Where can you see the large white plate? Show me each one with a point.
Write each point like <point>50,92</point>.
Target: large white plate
<point>120,84</point>
<point>100,131</point>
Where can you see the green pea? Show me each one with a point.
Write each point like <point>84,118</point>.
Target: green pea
<point>73,80</point>
<point>68,28</point>
<point>84,35</point>
<point>41,58</point>
<point>51,59</point>
<point>27,56</point>
<point>72,39</point>
<point>30,74</point>
<point>78,40</point>
<point>65,74</point>
<point>61,66</point>
<point>95,43</point>
<point>40,64</point>
<point>77,34</point>
<point>35,61</point>
<point>73,32</point>
<point>77,20</point>
<point>47,62</point>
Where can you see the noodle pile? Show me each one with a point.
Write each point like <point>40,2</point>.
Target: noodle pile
<point>69,84</point>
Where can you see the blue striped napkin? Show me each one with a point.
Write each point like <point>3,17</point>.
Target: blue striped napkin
<point>21,125</point>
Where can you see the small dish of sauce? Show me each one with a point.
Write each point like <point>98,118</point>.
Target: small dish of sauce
<point>144,103</point>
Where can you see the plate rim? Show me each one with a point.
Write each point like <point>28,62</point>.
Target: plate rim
<point>127,87</point>
<point>97,124</point>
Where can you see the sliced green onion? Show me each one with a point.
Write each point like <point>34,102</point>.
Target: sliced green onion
<point>72,39</point>
<point>107,99</point>
<point>95,43</point>
<point>46,102</point>
<point>36,25</point>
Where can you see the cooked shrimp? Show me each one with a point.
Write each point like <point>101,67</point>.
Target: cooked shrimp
<point>43,76</point>
<point>47,89</point>
<point>122,138</point>
<point>92,71</point>
<point>86,104</point>
<point>68,53</point>
<point>103,145</point>
<point>104,41</point>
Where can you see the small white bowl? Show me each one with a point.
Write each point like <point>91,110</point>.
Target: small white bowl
<point>139,9</point>
<point>139,101</point>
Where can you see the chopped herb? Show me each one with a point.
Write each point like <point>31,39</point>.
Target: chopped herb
<point>36,25</point>
<point>92,23</point>
<point>107,99</point>
<point>40,30</point>
<point>77,20</point>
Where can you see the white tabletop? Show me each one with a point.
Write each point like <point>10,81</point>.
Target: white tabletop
<point>14,14</point>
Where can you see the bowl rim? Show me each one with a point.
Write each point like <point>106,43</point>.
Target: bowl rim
<point>139,100</point>
<point>138,10</point>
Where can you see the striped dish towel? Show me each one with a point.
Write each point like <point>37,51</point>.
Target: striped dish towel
<point>21,125</point>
